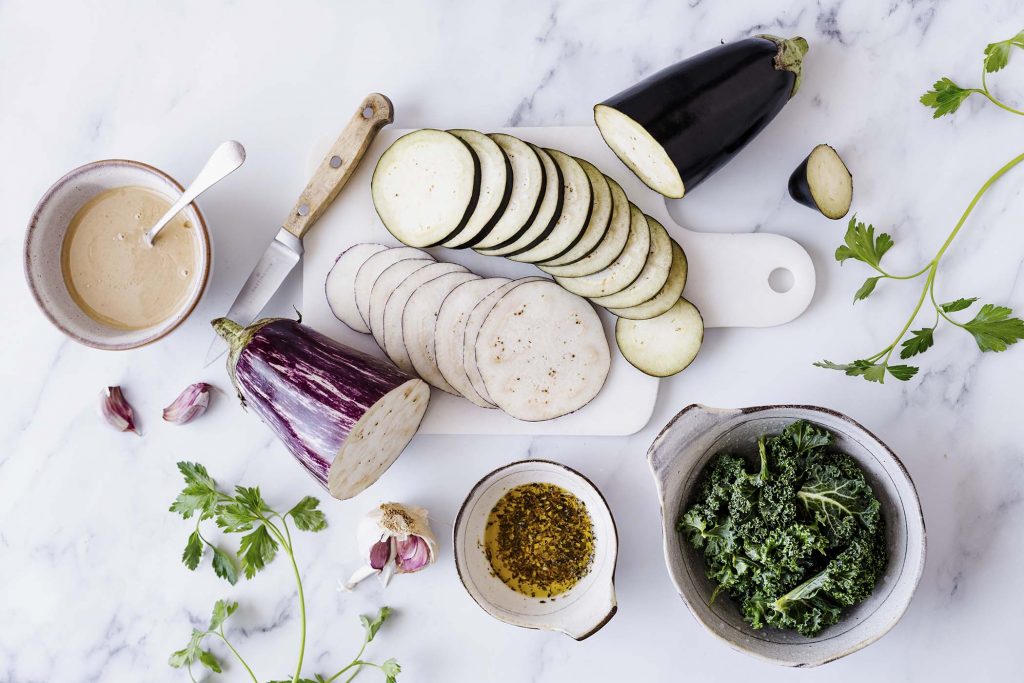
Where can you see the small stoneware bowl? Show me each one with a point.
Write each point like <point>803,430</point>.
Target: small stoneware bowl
<point>45,238</point>
<point>579,612</point>
<point>679,454</point>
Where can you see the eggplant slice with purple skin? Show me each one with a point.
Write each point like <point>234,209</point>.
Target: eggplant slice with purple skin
<point>823,182</point>
<point>344,415</point>
<point>677,127</point>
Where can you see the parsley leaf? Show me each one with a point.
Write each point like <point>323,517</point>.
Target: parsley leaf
<point>919,342</point>
<point>193,550</point>
<point>958,305</point>
<point>865,289</point>
<point>222,609</point>
<point>945,97</point>
<point>257,549</point>
<point>224,566</point>
<point>997,55</point>
<point>862,245</point>
<point>306,516</point>
<point>372,626</point>
<point>199,494</point>
<point>872,372</point>
<point>994,329</point>
<point>207,659</point>
<point>190,653</point>
<point>391,670</point>
<point>902,372</point>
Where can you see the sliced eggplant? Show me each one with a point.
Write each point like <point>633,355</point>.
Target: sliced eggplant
<point>495,188</point>
<point>547,215</point>
<point>371,270</point>
<point>822,182</point>
<point>652,278</point>
<point>624,270</point>
<point>340,284</point>
<point>450,337</point>
<point>419,325</point>
<point>473,325</point>
<point>426,186</point>
<point>391,335</point>
<point>610,246</point>
<point>572,221</point>
<point>533,369</point>
<point>383,286</point>
<point>667,297</point>
<point>677,127</point>
<point>528,184</point>
<point>664,345</point>
<point>600,217</point>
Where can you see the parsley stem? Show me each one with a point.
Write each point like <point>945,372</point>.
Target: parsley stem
<point>985,91</point>
<point>302,599</point>
<point>238,656</point>
<point>355,661</point>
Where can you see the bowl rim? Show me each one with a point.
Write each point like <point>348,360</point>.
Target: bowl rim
<point>746,414</point>
<point>457,553</point>
<point>168,325</point>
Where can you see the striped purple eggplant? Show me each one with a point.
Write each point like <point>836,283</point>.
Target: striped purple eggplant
<point>344,415</point>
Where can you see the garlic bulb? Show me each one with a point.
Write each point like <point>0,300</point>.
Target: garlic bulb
<point>393,538</point>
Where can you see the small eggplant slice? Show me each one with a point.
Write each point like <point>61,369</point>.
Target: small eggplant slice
<point>528,182</point>
<point>572,221</point>
<point>822,182</point>
<point>425,187</point>
<point>612,242</point>
<point>667,297</point>
<point>677,127</point>
<point>665,345</point>
<point>495,188</point>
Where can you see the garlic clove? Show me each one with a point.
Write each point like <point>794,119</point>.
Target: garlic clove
<point>413,554</point>
<point>190,404</point>
<point>380,553</point>
<point>116,410</point>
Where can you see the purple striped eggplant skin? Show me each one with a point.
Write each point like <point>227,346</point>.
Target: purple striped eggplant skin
<point>345,416</point>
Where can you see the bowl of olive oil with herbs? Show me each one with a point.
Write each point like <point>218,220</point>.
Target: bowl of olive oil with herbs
<point>535,546</point>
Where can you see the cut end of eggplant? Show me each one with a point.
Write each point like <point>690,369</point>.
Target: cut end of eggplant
<point>665,345</point>
<point>639,150</point>
<point>822,182</point>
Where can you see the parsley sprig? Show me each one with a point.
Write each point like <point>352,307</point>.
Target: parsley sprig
<point>946,96</point>
<point>265,533</point>
<point>993,327</point>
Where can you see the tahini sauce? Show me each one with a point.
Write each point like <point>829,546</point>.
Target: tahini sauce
<point>110,271</point>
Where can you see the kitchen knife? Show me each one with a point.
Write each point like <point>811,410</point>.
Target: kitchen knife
<point>285,251</point>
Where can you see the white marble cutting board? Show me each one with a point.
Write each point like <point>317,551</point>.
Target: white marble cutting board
<point>728,281</point>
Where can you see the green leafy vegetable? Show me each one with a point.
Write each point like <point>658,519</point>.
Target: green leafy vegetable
<point>793,541</point>
<point>993,328</point>
<point>266,533</point>
<point>945,97</point>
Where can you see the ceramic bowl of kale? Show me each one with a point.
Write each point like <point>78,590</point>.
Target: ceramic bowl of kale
<point>791,532</point>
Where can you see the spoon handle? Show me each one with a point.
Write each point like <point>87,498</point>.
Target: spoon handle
<point>224,160</point>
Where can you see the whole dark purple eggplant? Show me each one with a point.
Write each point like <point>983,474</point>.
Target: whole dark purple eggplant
<point>344,415</point>
<point>677,127</point>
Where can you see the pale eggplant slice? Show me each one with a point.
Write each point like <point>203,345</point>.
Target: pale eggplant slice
<point>600,217</point>
<point>609,248</point>
<point>371,270</point>
<point>572,222</point>
<point>391,331</point>
<point>547,215</point>
<point>664,345</point>
<point>340,285</point>
<point>419,326</point>
<point>668,295</point>
<point>822,182</point>
<point>383,286</point>
<point>450,337</point>
<point>528,184</point>
<point>536,370</point>
<point>652,278</point>
<point>425,187</point>
<point>624,270</point>
<point>495,188</point>
<point>473,325</point>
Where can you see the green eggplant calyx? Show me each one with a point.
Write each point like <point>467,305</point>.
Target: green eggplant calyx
<point>790,57</point>
<point>238,338</point>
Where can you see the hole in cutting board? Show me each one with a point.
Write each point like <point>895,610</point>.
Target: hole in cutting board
<point>781,280</point>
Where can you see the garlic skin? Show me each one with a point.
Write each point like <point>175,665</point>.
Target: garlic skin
<point>116,410</point>
<point>190,404</point>
<point>393,538</point>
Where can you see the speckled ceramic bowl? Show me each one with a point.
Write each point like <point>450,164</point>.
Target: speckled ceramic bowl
<point>45,238</point>
<point>678,456</point>
<point>579,612</point>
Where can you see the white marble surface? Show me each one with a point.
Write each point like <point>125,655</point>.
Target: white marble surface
<point>91,588</point>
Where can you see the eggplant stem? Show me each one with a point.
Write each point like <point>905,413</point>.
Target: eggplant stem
<point>790,57</point>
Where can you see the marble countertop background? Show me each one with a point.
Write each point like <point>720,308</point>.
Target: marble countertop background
<point>91,586</point>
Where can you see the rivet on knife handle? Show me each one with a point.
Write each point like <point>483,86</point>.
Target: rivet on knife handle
<point>374,113</point>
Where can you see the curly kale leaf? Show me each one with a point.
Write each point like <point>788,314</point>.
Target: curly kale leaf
<point>838,498</point>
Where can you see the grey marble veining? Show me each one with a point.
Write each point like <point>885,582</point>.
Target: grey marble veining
<point>93,589</point>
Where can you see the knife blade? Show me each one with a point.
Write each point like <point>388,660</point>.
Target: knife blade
<point>285,252</point>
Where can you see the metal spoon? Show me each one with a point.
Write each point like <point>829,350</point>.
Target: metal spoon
<point>224,160</point>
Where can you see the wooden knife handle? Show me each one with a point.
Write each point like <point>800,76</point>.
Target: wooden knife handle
<point>374,113</point>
